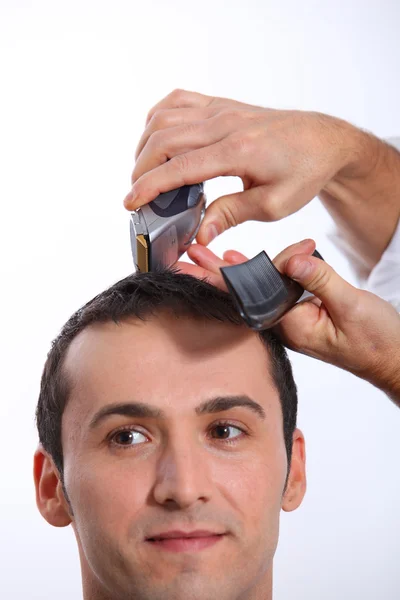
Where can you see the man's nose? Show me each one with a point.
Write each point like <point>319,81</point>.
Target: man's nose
<point>183,475</point>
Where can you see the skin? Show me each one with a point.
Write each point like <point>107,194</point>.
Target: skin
<point>342,325</point>
<point>181,473</point>
<point>285,159</point>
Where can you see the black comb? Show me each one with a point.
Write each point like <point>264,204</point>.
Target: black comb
<point>262,295</point>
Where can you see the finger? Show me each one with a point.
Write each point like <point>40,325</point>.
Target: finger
<point>305,327</point>
<point>206,266</point>
<point>205,258</point>
<point>166,118</point>
<point>271,201</point>
<point>306,246</point>
<point>189,269</point>
<point>184,99</point>
<point>182,139</point>
<point>317,277</point>
<point>234,257</point>
<point>233,209</point>
<point>312,300</point>
<point>183,169</point>
<point>180,99</point>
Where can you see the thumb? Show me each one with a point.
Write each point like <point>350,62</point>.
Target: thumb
<point>317,277</point>
<point>229,211</point>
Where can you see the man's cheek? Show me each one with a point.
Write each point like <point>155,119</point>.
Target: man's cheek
<point>252,485</point>
<point>107,494</point>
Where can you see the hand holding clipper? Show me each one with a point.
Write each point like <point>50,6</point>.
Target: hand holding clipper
<point>163,230</point>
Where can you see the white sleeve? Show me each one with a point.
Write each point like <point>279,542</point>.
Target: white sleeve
<point>384,279</point>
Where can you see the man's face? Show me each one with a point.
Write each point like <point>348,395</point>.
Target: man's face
<point>176,492</point>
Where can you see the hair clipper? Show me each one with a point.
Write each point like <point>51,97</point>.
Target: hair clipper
<point>162,230</point>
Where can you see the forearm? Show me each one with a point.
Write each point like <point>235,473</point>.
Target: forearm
<point>364,196</point>
<point>395,395</point>
<point>390,382</point>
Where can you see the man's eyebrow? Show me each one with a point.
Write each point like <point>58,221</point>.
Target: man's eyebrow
<point>223,403</point>
<point>127,409</point>
<point>142,410</point>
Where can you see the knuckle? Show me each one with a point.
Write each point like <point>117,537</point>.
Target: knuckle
<point>177,95</point>
<point>159,117</point>
<point>151,114</point>
<point>229,215</point>
<point>321,278</point>
<point>139,187</point>
<point>229,115</point>
<point>271,207</point>
<point>260,116</point>
<point>156,140</point>
<point>144,188</point>
<point>229,218</point>
<point>240,145</point>
<point>187,130</point>
<point>358,311</point>
<point>180,163</point>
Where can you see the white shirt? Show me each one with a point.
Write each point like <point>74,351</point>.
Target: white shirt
<point>384,279</point>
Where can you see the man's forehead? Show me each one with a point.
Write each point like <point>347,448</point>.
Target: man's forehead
<point>163,356</point>
<point>187,335</point>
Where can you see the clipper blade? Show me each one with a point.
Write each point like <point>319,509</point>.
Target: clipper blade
<point>140,242</point>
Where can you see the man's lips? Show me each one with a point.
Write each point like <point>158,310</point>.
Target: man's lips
<point>198,533</point>
<point>185,541</point>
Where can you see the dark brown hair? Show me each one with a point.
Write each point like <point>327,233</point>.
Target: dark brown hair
<point>139,296</point>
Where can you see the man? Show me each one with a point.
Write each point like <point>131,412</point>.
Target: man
<point>169,442</point>
<point>168,429</point>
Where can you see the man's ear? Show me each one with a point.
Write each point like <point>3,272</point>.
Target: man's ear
<point>297,483</point>
<point>50,497</point>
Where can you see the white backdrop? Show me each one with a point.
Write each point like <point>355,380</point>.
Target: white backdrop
<point>76,81</point>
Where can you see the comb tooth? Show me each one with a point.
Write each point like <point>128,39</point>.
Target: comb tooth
<point>255,281</point>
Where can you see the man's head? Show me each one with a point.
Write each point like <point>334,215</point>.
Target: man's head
<point>160,414</point>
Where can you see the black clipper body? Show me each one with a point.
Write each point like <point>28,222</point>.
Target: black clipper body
<point>162,230</point>
<point>262,295</point>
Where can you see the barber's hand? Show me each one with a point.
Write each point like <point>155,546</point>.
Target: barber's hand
<point>284,158</point>
<point>347,327</point>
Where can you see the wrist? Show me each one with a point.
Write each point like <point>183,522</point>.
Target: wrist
<point>362,153</point>
<point>388,378</point>
<point>362,196</point>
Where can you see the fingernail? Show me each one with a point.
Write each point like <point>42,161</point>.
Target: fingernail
<point>130,199</point>
<point>211,233</point>
<point>302,270</point>
<point>127,201</point>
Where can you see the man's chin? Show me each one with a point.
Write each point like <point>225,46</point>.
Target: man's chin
<point>189,581</point>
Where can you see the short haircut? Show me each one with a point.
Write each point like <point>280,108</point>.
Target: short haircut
<point>139,296</point>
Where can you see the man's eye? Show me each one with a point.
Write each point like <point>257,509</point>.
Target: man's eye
<point>128,437</point>
<point>225,432</point>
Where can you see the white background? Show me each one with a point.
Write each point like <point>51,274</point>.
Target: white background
<point>76,82</point>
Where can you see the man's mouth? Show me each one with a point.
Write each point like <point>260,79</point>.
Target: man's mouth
<point>185,541</point>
